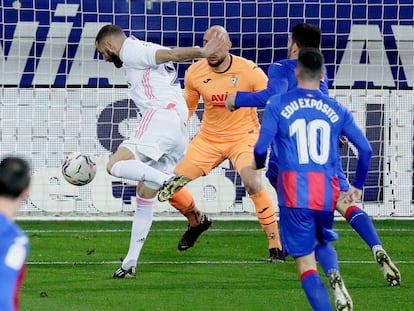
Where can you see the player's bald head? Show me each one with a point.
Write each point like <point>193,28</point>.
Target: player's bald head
<point>217,29</point>
<point>221,57</point>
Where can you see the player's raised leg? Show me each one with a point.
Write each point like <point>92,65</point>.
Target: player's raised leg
<point>363,225</point>
<point>171,186</point>
<point>192,167</point>
<point>124,164</point>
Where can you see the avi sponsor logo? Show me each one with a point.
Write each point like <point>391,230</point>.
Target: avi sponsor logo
<point>218,100</point>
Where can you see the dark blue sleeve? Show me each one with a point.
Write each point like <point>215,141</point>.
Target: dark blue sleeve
<point>268,131</point>
<point>277,84</point>
<point>343,181</point>
<point>357,137</point>
<point>324,85</point>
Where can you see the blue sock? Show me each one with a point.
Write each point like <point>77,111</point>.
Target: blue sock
<point>316,293</point>
<point>327,257</point>
<point>362,224</point>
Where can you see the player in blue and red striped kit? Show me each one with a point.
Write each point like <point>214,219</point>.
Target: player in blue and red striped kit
<point>304,126</point>
<point>14,244</point>
<point>282,79</point>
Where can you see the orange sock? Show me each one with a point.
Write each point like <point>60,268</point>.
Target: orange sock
<point>265,212</point>
<point>183,201</point>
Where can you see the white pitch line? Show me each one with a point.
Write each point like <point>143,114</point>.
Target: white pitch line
<point>181,229</point>
<point>200,262</point>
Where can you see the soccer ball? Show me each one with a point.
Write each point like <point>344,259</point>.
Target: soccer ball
<point>78,169</point>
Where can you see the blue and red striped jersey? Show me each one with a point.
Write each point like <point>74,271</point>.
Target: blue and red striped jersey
<point>303,126</point>
<point>14,247</point>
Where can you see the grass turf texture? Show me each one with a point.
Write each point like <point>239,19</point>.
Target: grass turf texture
<point>71,264</point>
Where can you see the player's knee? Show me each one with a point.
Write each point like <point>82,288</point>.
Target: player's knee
<point>253,187</point>
<point>146,192</point>
<point>253,184</point>
<point>189,170</point>
<point>252,180</point>
<point>342,207</point>
<point>109,166</point>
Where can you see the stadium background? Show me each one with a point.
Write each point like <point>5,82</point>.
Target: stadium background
<point>58,97</point>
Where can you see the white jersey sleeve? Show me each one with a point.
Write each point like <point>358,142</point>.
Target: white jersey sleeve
<point>140,54</point>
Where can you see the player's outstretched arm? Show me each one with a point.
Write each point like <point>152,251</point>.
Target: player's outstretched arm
<point>248,99</point>
<point>277,84</point>
<point>184,54</point>
<point>267,133</point>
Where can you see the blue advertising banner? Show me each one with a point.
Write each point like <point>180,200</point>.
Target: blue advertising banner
<point>365,43</point>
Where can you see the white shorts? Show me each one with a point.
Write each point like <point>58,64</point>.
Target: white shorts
<point>160,140</point>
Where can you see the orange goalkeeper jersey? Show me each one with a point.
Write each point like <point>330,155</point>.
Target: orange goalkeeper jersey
<point>201,80</point>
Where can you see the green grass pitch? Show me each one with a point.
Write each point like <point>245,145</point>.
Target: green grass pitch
<point>71,263</point>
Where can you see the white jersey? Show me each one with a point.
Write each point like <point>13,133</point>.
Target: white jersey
<point>151,85</point>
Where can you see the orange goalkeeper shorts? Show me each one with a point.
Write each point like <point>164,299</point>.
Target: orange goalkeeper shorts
<point>206,152</point>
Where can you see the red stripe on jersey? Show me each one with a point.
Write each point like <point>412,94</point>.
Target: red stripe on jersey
<point>289,188</point>
<point>316,190</point>
<point>144,123</point>
<point>335,192</point>
<point>18,287</point>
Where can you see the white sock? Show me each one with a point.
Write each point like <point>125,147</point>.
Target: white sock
<point>141,225</point>
<point>375,249</point>
<point>138,171</point>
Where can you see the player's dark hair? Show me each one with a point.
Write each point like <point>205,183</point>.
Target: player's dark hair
<point>306,35</point>
<point>14,176</point>
<point>310,64</point>
<point>106,31</point>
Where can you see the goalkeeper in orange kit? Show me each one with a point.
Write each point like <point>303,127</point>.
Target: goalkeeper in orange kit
<point>223,135</point>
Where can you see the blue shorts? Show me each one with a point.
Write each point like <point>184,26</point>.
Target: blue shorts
<point>302,229</point>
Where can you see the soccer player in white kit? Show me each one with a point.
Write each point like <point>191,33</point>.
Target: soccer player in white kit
<point>159,142</point>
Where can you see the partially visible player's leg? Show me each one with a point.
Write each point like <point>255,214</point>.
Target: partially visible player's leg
<point>363,225</point>
<point>141,225</point>
<point>241,155</point>
<point>311,282</point>
<point>299,238</point>
<point>265,211</point>
<point>124,165</point>
<point>198,222</point>
<point>327,257</point>
<point>361,222</point>
<point>195,164</point>
<point>171,186</point>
